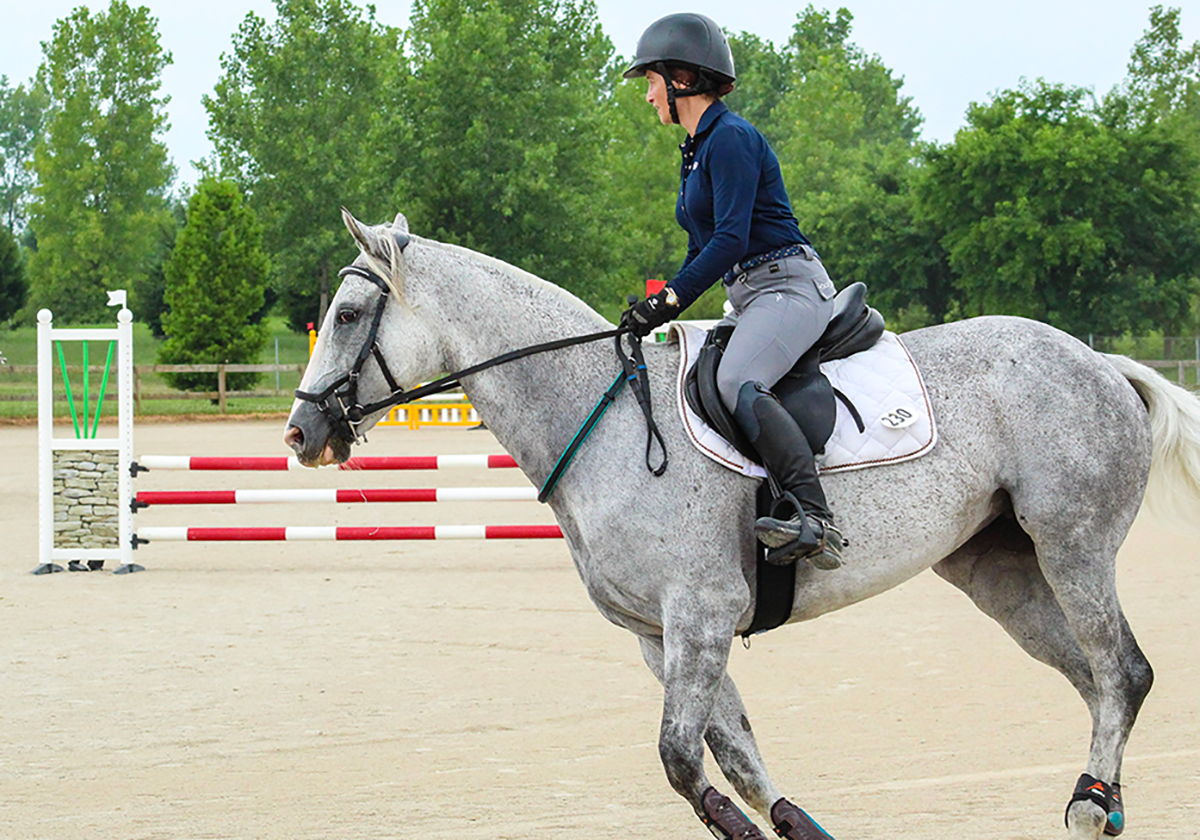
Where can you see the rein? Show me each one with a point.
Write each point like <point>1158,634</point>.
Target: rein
<point>340,405</point>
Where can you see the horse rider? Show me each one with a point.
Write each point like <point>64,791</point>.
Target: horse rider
<point>741,230</point>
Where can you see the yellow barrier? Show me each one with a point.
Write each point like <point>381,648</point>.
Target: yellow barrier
<point>418,414</point>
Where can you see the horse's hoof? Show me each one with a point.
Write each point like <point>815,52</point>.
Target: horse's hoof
<point>1085,821</point>
<point>1095,808</point>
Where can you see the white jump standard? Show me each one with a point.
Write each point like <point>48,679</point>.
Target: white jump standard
<point>122,444</point>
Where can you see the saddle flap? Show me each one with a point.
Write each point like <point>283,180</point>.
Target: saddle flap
<point>702,395</point>
<point>805,392</point>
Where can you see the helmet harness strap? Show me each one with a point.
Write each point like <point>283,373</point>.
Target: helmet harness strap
<point>703,85</point>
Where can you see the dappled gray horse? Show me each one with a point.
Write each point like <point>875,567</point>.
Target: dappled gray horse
<point>1044,454</point>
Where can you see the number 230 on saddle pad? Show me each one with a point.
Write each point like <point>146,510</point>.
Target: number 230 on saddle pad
<point>883,384</point>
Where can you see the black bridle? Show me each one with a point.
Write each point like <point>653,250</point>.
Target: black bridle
<point>339,401</point>
<point>340,404</point>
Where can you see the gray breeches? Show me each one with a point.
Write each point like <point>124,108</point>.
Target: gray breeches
<point>780,309</point>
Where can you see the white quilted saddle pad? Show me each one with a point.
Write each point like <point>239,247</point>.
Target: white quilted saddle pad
<point>884,385</point>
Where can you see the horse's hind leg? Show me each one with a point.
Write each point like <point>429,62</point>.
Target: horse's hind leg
<point>1065,613</point>
<point>732,743</point>
<point>1083,577</point>
<point>998,570</point>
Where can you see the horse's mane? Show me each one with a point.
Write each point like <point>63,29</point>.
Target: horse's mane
<point>387,257</point>
<point>543,287</point>
<point>391,271</point>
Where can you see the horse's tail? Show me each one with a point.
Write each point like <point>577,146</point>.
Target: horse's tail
<point>1174,486</point>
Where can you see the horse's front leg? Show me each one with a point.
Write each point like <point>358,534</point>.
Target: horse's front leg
<point>691,665</point>
<point>731,740</point>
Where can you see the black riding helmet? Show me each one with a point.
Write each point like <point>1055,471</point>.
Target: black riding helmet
<point>688,40</point>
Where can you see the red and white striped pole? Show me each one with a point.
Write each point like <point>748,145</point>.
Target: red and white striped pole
<point>283,462</point>
<point>146,498</point>
<point>405,532</point>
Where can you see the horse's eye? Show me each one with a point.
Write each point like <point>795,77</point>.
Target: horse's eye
<point>347,316</point>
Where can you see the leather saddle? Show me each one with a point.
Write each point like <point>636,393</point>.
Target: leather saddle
<point>804,391</point>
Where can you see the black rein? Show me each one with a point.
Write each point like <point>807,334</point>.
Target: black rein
<point>340,404</point>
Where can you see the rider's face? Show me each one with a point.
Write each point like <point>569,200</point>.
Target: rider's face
<point>656,95</point>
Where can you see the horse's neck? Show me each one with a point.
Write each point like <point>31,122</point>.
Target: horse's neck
<point>533,405</point>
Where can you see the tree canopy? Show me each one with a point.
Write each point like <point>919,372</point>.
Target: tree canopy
<point>101,168</point>
<point>13,286</point>
<point>1049,213</point>
<point>22,114</point>
<point>508,110</point>
<point>303,119</point>
<point>505,126</point>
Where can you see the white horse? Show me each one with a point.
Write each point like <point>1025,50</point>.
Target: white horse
<point>1045,451</point>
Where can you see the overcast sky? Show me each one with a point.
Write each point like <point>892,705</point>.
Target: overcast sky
<point>949,52</point>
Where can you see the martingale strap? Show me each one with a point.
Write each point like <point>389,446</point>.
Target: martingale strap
<point>633,364</point>
<point>584,432</point>
<point>633,371</point>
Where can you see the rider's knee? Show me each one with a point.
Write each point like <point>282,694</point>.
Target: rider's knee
<point>729,385</point>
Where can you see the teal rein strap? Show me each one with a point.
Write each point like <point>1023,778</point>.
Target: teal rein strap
<point>589,425</point>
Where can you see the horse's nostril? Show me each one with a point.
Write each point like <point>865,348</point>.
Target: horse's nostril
<point>293,437</point>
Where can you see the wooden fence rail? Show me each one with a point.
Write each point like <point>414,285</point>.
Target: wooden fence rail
<point>221,395</point>
<point>1181,367</point>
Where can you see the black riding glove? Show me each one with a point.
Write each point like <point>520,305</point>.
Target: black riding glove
<point>654,311</point>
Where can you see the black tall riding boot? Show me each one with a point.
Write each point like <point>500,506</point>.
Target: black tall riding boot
<point>808,530</point>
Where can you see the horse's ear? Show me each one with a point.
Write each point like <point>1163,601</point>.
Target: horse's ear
<point>400,224</point>
<point>361,233</point>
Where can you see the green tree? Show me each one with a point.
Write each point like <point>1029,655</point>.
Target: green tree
<point>216,277</point>
<point>508,102</point>
<point>1045,211</point>
<point>12,276</point>
<point>147,294</point>
<point>641,163</point>
<point>22,113</point>
<point>846,138</point>
<point>102,170</point>
<point>763,76</point>
<point>1163,77</point>
<point>1161,95</point>
<point>306,118</point>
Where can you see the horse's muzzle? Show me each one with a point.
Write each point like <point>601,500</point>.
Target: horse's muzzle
<point>309,435</point>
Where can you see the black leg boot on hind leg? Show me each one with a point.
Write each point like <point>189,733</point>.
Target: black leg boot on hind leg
<point>801,526</point>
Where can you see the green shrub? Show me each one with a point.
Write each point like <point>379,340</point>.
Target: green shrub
<point>216,277</point>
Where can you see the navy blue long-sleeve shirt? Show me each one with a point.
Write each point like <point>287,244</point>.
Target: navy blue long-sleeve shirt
<point>732,201</point>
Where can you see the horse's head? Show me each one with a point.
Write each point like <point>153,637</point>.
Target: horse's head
<point>373,342</point>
